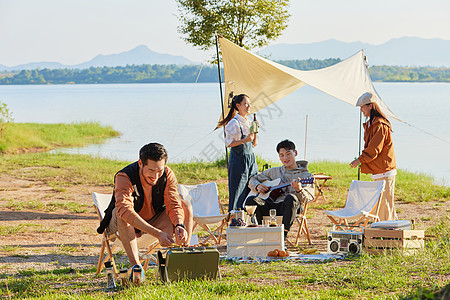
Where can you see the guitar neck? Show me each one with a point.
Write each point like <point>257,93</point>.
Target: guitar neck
<point>279,186</point>
<point>302,181</point>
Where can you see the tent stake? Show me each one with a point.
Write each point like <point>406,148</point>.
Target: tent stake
<point>221,96</point>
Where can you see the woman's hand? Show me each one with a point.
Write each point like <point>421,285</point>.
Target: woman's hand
<point>249,138</point>
<point>355,163</point>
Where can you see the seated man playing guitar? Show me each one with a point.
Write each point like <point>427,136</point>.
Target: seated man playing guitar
<point>282,188</point>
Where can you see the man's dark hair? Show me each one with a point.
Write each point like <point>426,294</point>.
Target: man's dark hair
<point>286,144</point>
<point>152,151</point>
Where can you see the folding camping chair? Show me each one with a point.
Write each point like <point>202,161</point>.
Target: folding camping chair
<point>362,205</point>
<point>111,242</point>
<point>206,207</point>
<point>303,224</point>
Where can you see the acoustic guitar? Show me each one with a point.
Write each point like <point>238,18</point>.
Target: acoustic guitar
<point>275,188</point>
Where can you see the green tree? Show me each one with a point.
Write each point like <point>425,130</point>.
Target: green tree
<point>247,23</point>
<point>5,118</point>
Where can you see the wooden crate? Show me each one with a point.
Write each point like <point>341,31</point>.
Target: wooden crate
<point>378,240</point>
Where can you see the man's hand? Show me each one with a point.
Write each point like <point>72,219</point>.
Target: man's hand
<point>262,188</point>
<point>164,239</point>
<point>355,163</point>
<point>296,185</point>
<point>181,235</point>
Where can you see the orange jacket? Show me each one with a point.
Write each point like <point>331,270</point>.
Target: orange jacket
<point>378,154</point>
<point>124,200</point>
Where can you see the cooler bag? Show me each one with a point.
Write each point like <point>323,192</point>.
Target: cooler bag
<point>192,263</point>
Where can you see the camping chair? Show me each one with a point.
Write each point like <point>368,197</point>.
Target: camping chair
<point>362,205</point>
<point>111,242</point>
<point>206,207</point>
<point>302,224</point>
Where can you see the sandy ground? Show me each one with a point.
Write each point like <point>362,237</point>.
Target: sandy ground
<point>53,239</point>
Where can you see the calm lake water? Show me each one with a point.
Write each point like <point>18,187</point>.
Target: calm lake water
<point>182,117</point>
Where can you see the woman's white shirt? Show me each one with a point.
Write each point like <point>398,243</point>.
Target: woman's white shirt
<point>233,130</point>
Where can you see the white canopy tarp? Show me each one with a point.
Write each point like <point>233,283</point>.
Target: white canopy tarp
<point>266,82</point>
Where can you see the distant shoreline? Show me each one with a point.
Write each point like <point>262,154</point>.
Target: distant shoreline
<point>197,73</point>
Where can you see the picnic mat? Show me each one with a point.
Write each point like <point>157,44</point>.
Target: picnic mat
<point>296,257</point>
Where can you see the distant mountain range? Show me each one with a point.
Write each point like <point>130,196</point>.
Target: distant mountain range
<point>137,56</point>
<point>405,51</point>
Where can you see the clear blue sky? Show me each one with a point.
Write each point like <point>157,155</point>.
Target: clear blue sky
<point>74,31</point>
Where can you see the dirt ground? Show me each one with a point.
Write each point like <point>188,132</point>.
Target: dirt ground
<point>45,240</point>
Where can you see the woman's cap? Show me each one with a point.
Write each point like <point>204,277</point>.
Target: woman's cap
<point>365,98</point>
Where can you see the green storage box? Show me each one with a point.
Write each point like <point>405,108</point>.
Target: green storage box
<point>192,263</point>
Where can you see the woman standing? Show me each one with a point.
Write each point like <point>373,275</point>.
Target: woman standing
<point>378,157</point>
<point>242,163</point>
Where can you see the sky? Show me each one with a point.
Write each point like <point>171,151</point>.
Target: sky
<point>75,31</point>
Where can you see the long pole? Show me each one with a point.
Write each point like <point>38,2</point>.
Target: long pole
<point>359,149</point>
<point>306,136</point>
<point>221,94</point>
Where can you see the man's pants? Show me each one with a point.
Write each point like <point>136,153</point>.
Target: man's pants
<point>287,208</point>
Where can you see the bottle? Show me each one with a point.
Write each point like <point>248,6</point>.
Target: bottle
<point>137,278</point>
<point>254,126</point>
<point>109,276</point>
<point>124,277</point>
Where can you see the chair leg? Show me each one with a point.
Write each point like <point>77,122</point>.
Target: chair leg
<point>289,242</point>
<point>150,251</point>
<point>100,258</point>
<point>303,228</point>
<point>302,224</point>
<point>211,234</point>
<point>111,256</point>
<point>306,232</point>
<point>220,229</point>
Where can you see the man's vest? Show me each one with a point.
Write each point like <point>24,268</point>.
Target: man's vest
<point>132,172</point>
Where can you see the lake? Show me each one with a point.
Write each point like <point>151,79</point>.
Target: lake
<point>183,117</point>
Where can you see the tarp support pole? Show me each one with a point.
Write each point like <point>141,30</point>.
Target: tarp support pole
<point>359,147</point>
<point>306,136</point>
<point>221,95</point>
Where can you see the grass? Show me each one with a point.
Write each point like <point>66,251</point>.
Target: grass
<point>70,206</point>
<point>392,276</point>
<point>25,227</point>
<point>61,170</point>
<point>388,276</point>
<point>21,137</point>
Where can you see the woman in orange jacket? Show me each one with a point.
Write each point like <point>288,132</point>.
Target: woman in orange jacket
<point>378,156</point>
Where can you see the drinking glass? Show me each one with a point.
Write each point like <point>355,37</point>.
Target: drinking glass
<point>272,214</point>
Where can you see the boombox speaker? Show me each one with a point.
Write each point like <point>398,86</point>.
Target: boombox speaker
<point>349,242</point>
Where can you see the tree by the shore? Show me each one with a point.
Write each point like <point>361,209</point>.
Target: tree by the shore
<point>247,23</point>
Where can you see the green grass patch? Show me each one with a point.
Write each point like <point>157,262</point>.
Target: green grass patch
<point>70,206</point>
<point>21,137</point>
<point>24,228</point>
<point>60,170</point>
<point>9,248</point>
<point>388,276</point>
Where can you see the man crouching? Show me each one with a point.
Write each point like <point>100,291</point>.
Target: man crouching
<point>146,201</point>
